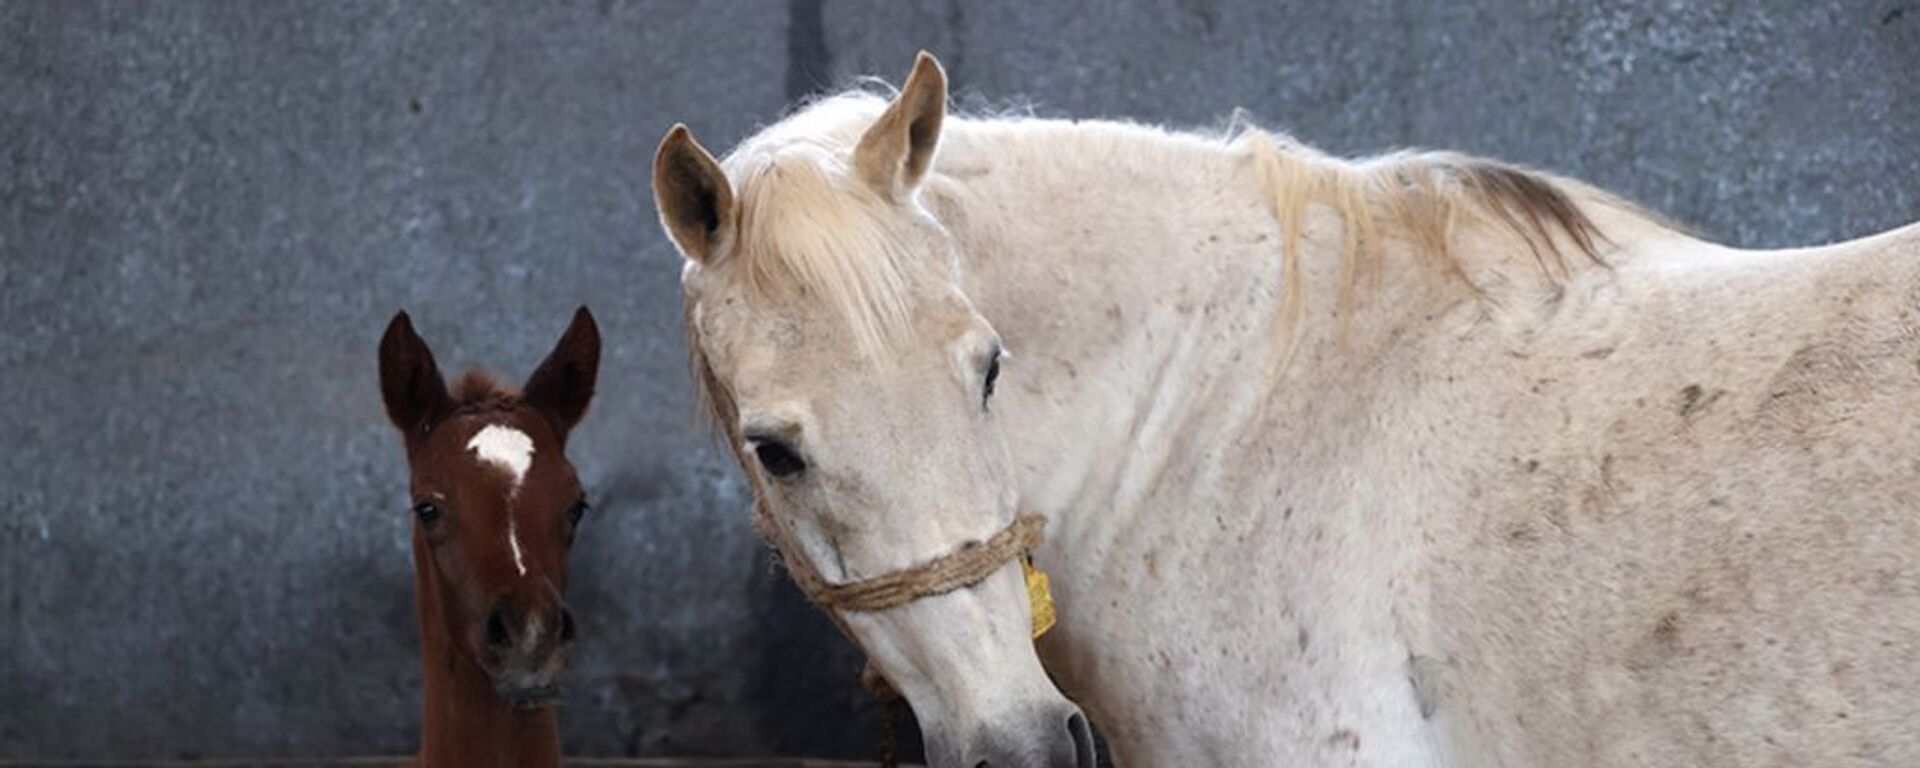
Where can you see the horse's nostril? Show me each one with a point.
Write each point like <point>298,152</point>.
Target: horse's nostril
<point>1083,750</point>
<point>566,626</point>
<point>497,634</point>
<point>983,764</point>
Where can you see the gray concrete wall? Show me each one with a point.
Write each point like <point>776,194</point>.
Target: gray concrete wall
<point>209,210</point>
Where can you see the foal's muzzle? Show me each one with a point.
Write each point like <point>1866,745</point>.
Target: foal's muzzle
<point>526,652</point>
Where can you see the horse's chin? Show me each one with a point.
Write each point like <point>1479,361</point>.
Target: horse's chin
<point>528,698</point>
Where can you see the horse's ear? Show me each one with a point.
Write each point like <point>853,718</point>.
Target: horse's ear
<point>562,386</point>
<point>692,193</point>
<point>896,152</point>
<point>410,380</point>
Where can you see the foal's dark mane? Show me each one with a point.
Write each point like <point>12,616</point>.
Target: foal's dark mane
<point>477,392</point>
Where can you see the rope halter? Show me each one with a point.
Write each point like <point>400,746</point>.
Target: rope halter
<point>964,567</point>
<point>961,568</point>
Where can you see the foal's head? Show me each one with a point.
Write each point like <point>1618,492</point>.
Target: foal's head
<point>495,503</point>
<point>856,380</point>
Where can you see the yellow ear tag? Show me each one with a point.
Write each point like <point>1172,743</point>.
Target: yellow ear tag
<point>1040,596</point>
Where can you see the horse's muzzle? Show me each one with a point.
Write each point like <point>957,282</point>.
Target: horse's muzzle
<point>1060,738</point>
<point>529,697</point>
<point>526,653</point>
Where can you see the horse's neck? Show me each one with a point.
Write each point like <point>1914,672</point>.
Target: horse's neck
<point>465,723</point>
<point>1138,288</point>
<point>1189,458</point>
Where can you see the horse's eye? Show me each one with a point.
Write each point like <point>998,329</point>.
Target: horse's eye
<point>427,512</point>
<point>993,375</point>
<point>577,511</point>
<point>779,460</point>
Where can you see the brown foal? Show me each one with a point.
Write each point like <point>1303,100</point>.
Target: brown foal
<point>495,506</point>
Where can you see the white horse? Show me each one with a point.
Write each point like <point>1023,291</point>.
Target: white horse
<point>1421,460</point>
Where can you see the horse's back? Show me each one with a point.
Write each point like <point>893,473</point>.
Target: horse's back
<point>1696,521</point>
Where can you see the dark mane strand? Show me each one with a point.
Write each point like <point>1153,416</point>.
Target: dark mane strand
<point>477,392</point>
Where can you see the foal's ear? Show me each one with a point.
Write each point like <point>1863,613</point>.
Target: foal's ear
<point>896,152</point>
<point>562,386</point>
<point>410,380</point>
<point>692,193</point>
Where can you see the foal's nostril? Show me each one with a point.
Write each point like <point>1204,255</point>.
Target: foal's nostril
<point>566,626</point>
<point>497,634</point>
<point>1083,750</point>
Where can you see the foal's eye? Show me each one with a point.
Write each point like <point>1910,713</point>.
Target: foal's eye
<point>778,459</point>
<point>427,512</point>
<point>993,375</point>
<point>577,511</point>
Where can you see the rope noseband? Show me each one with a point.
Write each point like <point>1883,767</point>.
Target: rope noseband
<point>964,567</point>
<point>961,568</point>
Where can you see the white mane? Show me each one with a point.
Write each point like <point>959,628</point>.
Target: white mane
<point>807,224</point>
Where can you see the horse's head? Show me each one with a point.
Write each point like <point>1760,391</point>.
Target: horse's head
<point>495,503</point>
<point>855,380</point>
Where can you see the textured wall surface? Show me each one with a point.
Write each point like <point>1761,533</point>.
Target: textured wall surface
<point>209,210</point>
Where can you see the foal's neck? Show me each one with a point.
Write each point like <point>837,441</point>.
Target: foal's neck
<point>466,724</point>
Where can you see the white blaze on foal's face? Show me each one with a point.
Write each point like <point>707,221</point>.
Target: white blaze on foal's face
<point>505,447</point>
<point>510,450</point>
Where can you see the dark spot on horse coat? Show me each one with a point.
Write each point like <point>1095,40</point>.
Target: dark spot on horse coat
<point>1662,643</point>
<point>1667,630</point>
<point>1814,387</point>
<point>1345,736</point>
<point>1694,399</point>
<point>1689,398</point>
<point>1423,673</point>
<point>1522,533</point>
